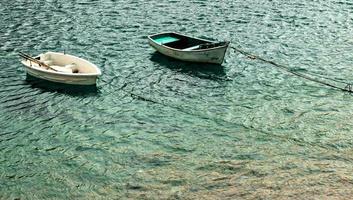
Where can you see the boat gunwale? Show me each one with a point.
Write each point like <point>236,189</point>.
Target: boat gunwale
<point>98,73</point>
<point>181,50</point>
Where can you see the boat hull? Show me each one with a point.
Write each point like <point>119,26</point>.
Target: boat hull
<point>212,55</point>
<point>60,78</point>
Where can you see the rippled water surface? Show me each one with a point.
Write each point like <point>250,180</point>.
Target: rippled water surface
<point>157,128</point>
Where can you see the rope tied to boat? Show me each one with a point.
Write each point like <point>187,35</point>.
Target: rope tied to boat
<point>347,88</point>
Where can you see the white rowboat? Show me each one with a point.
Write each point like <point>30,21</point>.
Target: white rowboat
<point>187,48</point>
<point>61,68</point>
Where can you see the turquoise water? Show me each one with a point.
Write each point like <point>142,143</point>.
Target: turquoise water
<point>156,128</point>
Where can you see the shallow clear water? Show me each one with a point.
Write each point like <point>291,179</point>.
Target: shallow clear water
<point>156,128</point>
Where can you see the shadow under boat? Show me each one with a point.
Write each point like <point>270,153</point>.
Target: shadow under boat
<point>201,70</point>
<point>72,90</point>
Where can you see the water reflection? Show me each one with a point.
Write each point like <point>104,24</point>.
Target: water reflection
<point>200,70</point>
<point>72,90</point>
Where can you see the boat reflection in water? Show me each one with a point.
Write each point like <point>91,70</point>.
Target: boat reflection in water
<point>72,90</point>
<point>201,70</point>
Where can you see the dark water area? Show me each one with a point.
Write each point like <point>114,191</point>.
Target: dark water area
<point>158,128</point>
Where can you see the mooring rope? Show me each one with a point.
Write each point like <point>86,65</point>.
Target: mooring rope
<point>347,88</point>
